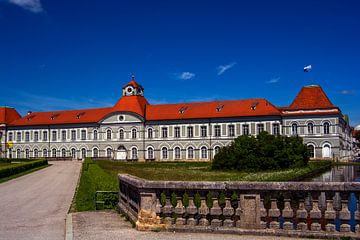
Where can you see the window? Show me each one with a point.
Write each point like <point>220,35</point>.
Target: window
<point>190,132</point>
<point>260,128</point>
<point>108,153</point>
<point>150,133</point>
<point>95,152</point>
<point>73,153</point>
<point>10,136</point>
<point>73,135</point>
<point>134,154</point>
<point>245,129</point>
<point>190,153</point>
<point>177,153</point>
<point>177,132</point>
<point>217,131</point>
<point>83,153</point>
<point>83,134</point>
<point>294,129</point>
<point>36,153</point>
<point>18,136</point>
<point>45,153</point>
<point>27,153</point>
<point>54,135</point>
<point>133,133</point>
<point>63,152</point>
<point>108,134</point>
<point>18,153</point>
<point>10,153</point>
<point>164,153</point>
<point>164,132</point>
<point>276,129</point>
<point>217,150</point>
<point>311,150</point>
<point>203,130</point>
<point>45,136</point>
<point>326,128</point>
<point>53,152</point>
<point>95,135</point>
<point>310,128</point>
<point>231,130</point>
<point>27,136</point>
<point>150,153</point>
<point>203,152</point>
<point>36,136</point>
<point>121,134</point>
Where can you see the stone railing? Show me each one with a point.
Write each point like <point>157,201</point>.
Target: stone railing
<point>297,209</point>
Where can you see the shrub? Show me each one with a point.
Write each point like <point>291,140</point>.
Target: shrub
<point>265,152</point>
<point>20,167</point>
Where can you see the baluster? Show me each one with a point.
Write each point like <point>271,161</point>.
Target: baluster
<point>179,211</point>
<point>344,214</point>
<point>158,206</point>
<point>238,213</point>
<point>191,210</point>
<point>203,211</point>
<point>301,215</point>
<point>228,212</point>
<point>315,213</point>
<point>330,213</point>
<point>288,215</point>
<point>215,213</point>
<point>263,215</point>
<point>167,211</point>
<point>274,213</point>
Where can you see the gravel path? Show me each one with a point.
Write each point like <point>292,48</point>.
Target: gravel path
<point>34,206</point>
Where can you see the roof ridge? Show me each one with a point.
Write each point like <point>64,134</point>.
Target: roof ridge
<point>227,100</point>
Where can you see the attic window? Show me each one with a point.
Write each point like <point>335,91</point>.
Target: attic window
<point>219,107</point>
<point>54,116</point>
<point>182,109</point>
<point>80,115</point>
<point>30,117</point>
<point>254,105</point>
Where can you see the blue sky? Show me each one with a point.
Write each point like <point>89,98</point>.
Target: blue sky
<point>78,54</point>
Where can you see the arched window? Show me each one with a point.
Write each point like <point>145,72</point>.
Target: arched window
<point>326,128</point>
<point>133,133</point>
<point>294,129</point>
<point>311,150</point>
<point>121,134</point>
<point>83,153</point>
<point>95,152</point>
<point>203,152</point>
<point>150,153</point>
<point>190,153</point>
<point>177,153</point>
<point>63,152</point>
<point>108,152</point>
<point>150,133</point>
<point>53,152</point>
<point>27,153</point>
<point>18,153</point>
<point>73,153</point>
<point>326,151</point>
<point>45,153</point>
<point>108,134</point>
<point>36,153</point>
<point>164,153</point>
<point>216,150</point>
<point>95,134</point>
<point>134,153</point>
<point>310,127</point>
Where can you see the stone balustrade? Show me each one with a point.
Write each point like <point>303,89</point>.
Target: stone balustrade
<point>297,209</point>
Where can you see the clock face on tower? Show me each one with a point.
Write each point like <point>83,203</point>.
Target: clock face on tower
<point>129,90</point>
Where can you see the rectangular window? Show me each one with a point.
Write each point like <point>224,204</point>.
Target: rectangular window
<point>63,135</point>
<point>164,132</point>
<point>177,132</point>
<point>36,136</point>
<point>54,135</point>
<point>73,135</point>
<point>190,132</point>
<point>83,134</point>
<point>27,137</point>
<point>18,136</point>
<point>45,136</point>
<point>245,129</point>
<point>276,129</point>
<point>260,128</point>
<point>10,136</point>
<point>217,131</point>
<point>203,131</point>
<point>231,130</point>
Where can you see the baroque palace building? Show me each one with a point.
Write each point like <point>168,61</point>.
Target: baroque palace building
<point>134,129</point>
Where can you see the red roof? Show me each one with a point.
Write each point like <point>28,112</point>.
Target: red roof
<point>8,115</point>
<point>132,83</point>
<point>215,109</point>
<point>134,104</point>
<point>311,97</point>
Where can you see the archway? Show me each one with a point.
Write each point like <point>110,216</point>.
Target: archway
<point>326,151</point>
<point>121,153</point>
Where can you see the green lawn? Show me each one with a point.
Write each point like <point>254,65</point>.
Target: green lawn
<point>201,171</point>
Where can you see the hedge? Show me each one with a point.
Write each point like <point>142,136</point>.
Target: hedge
<point>9,160</point>
<point>20,167</point>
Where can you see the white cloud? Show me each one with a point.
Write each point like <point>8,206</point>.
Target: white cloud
<point>347,92</point>
<point>30,5</point>
<point>273,80</point>
<point>186,75</point>
<point>223,68</point>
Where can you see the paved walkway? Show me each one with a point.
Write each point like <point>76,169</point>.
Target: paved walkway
<point>110,226</point>
<point>34,206</point>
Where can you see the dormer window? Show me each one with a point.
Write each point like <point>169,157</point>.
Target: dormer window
<point>219,107</point>
<point>78,116</point>
<point>182,109</point>
<point>254,105</point>
<point>54,116</point>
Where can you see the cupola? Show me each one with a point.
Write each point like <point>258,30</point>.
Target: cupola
<point>133,88</point>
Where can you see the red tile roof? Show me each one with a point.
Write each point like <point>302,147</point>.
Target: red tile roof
<point>215,109</point>
<point>134,104</point>
<point>8,115</point>
<point>132,83</point>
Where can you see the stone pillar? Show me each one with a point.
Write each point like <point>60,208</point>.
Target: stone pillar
<point>315,213</point>
<point>301,215</point>
<point>147,218</point>
<point>250,211</point>
<point>179,211</point>
<point>203,211</point>
<point>330,213</point>
<point>191,210</point>
<point>274,213</point>
<point>228,212</point>
<point>215,212</point>
<point>288,214</point>
<point>344,214</point>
